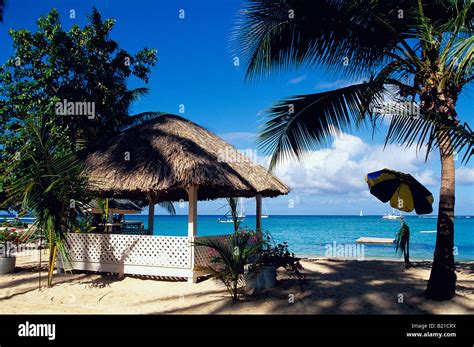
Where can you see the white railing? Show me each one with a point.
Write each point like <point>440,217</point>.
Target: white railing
<point>168,256</point>
<point>131,254</point>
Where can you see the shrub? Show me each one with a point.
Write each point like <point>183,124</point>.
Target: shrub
<point>278,255</point>
<point>230,260</point>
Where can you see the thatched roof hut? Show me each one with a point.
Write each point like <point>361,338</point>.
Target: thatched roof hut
<point>118,206</point>
<point>163,157</point>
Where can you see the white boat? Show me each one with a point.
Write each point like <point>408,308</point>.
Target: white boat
<point>265,214</point>
<point>240,217</point>
<point>393,215</point>
<point>361,214</point>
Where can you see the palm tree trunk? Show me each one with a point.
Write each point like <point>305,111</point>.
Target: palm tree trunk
<point>442,282</point>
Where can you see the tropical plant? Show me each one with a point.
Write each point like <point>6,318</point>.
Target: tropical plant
<point>7,237</point>
<point>233,204</point>
<point>11,238</point>
<point>413,51</point>
<point>52,186</point>
<point>231,260</point>
<point>14,224</point>
<point>279,256</point>
<point>402,243</point>
<point>81,67</point>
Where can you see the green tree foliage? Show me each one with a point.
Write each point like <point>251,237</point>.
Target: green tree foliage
<point>53,186</point>
<point>79,65</point>
<point>229,259</point>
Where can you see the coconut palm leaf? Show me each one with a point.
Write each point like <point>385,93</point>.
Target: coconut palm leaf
<point>234,213</point>
<point>139,118</point>
<point>461,59</point>
<point>276,34</point>
<point>228,263</point>
<point>462,139</point>
<point>52,184</point>
<point>303,122</point>
<point>430,131</point>
<point>168,206</point>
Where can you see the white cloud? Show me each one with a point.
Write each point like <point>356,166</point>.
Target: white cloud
<point>465,175</point>
<point>297,80</point>
<point>341,169</point>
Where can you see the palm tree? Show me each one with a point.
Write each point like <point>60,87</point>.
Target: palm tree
<point>52,186</point>
<point>229,260</point>
<point>234,212</point>
<point>415,51</point>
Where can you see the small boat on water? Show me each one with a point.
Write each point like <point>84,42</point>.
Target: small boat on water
<point>361,214</point>
<point>265,214</point>
<point>227,218</point>
<point>393,215</point>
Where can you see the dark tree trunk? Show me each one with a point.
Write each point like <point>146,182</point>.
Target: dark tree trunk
<point>407,254</point>
<point>442,282</point>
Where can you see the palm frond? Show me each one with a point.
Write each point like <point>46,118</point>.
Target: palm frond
<point>461,138</point>
<point>137,93</point>
<point>168,206</point>
<point>430,130</point>
<point>139,118</point>
<point>461,59</point>
<point>228,263</point>
<point>304,122</point>
<point>233,210</point>
<point>52,180</point>
<point>325,32</point>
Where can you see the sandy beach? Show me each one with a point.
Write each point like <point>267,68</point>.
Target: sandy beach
<point>331,287</point>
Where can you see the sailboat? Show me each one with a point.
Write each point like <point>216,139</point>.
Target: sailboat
<point>265,214</point>
<point>361,214</point>
<point>227,218</point>
<point>393,215</point>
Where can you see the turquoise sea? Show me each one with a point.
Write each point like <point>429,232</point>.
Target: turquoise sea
<point>314,235</point>
<point>311,235</point>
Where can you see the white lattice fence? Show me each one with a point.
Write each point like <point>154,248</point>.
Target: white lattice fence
<point>161,251</point>
<point>203,254</point>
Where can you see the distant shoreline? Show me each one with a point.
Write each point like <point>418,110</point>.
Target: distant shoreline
<point>276,215</point>
<point>384,259</point>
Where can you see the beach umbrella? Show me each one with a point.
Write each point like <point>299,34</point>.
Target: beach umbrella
<point>403,191</point>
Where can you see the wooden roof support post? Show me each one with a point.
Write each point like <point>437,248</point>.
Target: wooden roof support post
<point>192,211</point>
<point>192,225</point>
<point>151,215</point>
<point>258,213</point>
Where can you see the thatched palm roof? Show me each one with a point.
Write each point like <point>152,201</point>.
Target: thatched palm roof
<point>120,206</point>
<point>164,156</point>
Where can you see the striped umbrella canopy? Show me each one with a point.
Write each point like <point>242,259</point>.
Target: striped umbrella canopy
<point>403,191</point>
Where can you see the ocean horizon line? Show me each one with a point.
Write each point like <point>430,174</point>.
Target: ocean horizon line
<point>304,215</point>
<point>274,215</point>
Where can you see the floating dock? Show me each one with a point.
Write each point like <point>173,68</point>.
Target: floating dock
<point>376,240</point>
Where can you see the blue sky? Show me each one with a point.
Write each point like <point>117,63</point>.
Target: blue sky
<point>195,68</point>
